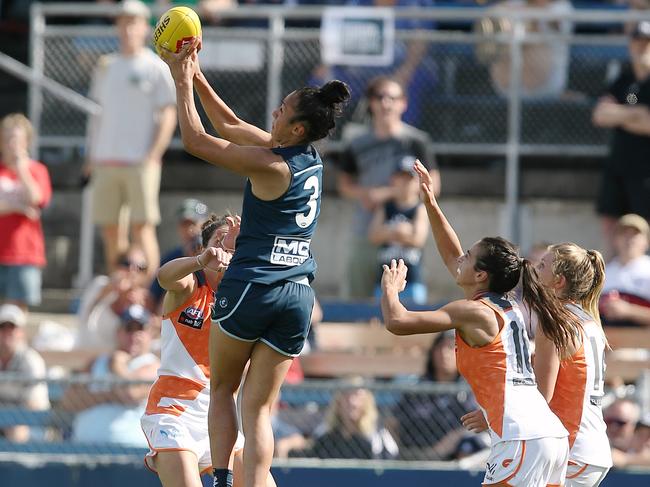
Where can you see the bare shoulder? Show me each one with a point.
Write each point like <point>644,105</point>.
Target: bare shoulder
<point>468,311</point>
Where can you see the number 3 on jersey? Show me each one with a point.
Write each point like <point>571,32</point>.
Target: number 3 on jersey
<point>302,220</point>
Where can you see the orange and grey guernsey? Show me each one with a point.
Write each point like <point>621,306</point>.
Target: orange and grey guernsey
<point>502,378</point>
<point>578,394</point>
<point>183,380</point>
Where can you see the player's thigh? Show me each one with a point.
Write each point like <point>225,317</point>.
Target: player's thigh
<point>529,463</point>
<point>265,375</point>
<point>584,475</point>
<point>108,194</point>
<point>177,468</point>
<point>143,190</point>
<point>293,304</point>
<point>228,357</point>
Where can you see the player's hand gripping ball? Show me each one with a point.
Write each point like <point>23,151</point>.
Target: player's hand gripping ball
<point>175,29</point>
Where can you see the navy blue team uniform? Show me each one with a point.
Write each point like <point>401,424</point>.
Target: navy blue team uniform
<point>265,293</point>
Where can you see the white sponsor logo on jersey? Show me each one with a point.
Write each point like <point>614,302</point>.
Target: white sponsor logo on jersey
<point>291,251</point>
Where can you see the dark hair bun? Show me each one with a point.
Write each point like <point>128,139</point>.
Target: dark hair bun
<point>334,92</point>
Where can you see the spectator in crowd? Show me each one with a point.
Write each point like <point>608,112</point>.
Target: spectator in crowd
<point>428,425</point>
<point>367,165</point>
<point>638,453</point>
<point>621,419</point>
<point>412,68</point>
<point>17,358</point>
<point>286,435</point>
<point>400,228</point>
<point>107,297</point>
<point>353,429</point>
<point>128,140</point>
<point>626,294</point>
<point>25,189</point>
<point>111,413</point>
<point>190,216</point>
<point>625,181</point>
<point>545,64</point>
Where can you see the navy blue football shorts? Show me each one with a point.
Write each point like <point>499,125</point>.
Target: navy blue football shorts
<point>278,314</point>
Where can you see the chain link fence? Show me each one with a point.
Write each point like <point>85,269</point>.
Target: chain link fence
<point>458,85</point>
<point>340,419</point>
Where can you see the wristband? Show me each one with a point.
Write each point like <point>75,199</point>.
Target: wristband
<point>198,261</point>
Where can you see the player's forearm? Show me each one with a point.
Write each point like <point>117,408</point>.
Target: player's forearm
<point>172,272</point>
<point>445,237</point>
<point>192,130</point>
<point>220,114</point>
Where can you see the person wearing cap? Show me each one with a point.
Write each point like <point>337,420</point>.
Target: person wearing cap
<point>366,167</point>
<point>127,141</point>
<point>18,358</point>
<point>190,216</point>
<point>625,180</point>
<point>626,294</point>
<point>400,228</point>
<point>107,412</point>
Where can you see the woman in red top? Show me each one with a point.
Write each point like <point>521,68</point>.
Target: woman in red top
<point>24,190</point>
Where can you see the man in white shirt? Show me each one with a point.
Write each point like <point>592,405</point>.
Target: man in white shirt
<point>128,140</point>
<point>626,295</point>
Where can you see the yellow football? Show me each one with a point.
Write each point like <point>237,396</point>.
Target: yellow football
<point>175,29</point>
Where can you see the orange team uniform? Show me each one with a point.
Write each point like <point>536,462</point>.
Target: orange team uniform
<point>577,402</point>
<point>529,445</point>
<point>176,417</point>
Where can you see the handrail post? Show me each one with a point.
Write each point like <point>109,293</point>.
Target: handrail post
<point>276,61</point>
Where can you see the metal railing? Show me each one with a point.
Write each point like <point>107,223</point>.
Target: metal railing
<point>455,96</point>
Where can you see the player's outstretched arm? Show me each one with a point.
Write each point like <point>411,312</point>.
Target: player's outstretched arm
<point>397,319</point>
<point>260,164</point>
<point>446,239</point>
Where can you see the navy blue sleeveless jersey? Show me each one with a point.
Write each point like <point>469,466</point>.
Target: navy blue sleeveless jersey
<point>274,241</point>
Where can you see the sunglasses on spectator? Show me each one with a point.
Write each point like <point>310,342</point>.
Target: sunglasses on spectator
<point>7,325</point>
<point>385,96</point>
<point>616,422</point>
<point>133,326</point>
<point>141,267</point>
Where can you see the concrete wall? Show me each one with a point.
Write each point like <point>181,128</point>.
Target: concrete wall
<point>473,218</point>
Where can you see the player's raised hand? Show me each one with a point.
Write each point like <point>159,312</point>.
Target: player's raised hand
<point>215,259</point>
<point>184,64</point>
<point>426,183</point>
<point>474,421</point>
<point>394,277</point>
<point>234,226</point>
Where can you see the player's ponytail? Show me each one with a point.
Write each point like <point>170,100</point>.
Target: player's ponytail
<point>500,259</point>
<point>556,322</point>
<point>318,108</point>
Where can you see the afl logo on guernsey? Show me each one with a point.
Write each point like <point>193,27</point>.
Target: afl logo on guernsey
<point>291,251</point>
<point>191,317</point>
